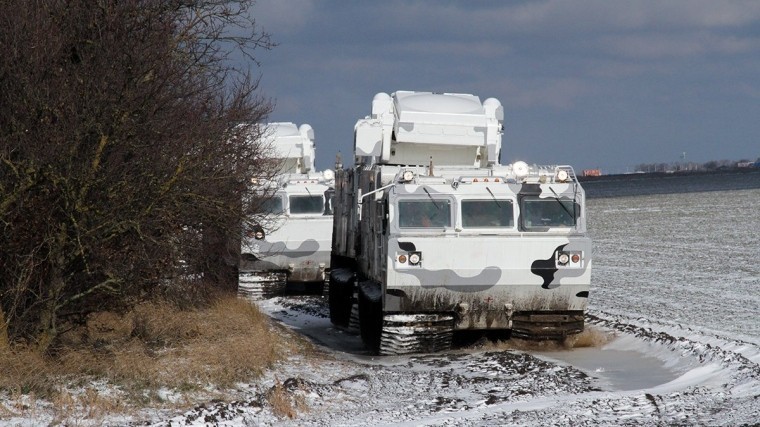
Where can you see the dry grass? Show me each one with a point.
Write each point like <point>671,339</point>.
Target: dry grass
<point>285,402</point>
<point>87,405</point>
<point>23,371</point>
<point>156,346</point>
<point>279,400</point>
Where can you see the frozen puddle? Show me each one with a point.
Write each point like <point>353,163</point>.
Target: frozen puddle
<point>617,370</point>
<point>622,361</point>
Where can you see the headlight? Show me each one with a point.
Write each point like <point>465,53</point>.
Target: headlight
<point>520,169</point>
<point>407,176</point>
<point>415,258</point>
<point>255,231</point>
<point>563,258</point>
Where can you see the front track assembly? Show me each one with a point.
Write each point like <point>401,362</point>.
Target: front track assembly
<point>416,333</point>
<point>394,334</point>
<point>403,333</point>
<point>257,286</point>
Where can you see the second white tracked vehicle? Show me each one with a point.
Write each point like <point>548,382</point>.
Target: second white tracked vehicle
<point>293,247</point>
<point>432,235</point>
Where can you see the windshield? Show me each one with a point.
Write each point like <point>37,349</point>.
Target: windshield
<point>306,204</point>
<point>424,213</point>
<point>272,205</point>
<point>548,212</point>
<point>487,213</point>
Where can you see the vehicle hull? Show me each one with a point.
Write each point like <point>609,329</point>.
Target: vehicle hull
<point>521,278</point>
<point>285,250</point>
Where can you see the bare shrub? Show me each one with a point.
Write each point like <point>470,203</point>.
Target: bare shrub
<point>124,164</point>
<point>108,327</point>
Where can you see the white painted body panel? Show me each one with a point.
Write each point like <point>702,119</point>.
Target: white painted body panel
<point>296,242</point>
<point>299,246</point>
<point>421,159</point>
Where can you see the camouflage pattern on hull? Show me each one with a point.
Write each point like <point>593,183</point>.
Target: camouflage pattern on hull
<point>524,277</point>
<point>305,263</point>
<point>299,269</point>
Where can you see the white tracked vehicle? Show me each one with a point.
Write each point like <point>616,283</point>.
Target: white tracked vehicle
<point>293,248</point>
<point>432,235</point>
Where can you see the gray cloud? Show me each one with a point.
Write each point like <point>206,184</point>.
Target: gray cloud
<point>591,83</point>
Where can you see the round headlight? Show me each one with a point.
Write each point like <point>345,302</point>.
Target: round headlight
<point>402,259</point>
<point>407,176</point>
<point>520,169</point>
<point>259,235</point>
<point>563,258</point>
<point>575,258</point>
<point>414,258</point>
<point>562,176</point>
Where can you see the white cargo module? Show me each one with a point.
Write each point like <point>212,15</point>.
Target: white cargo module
<point>294,246</point>
<point>432,234</point>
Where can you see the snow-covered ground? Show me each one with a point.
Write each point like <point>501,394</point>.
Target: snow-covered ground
<point>673,339</point>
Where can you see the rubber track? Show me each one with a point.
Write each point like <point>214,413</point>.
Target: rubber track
<point>420,333</point>
<point>257,287</point>
<point>353,322</point>
<point>326,287</point>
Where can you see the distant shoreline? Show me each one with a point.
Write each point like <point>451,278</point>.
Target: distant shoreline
<point>654,175</point>
<point>666,183</point>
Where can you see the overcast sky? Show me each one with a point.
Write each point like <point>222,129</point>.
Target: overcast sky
<point>594,84</point>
